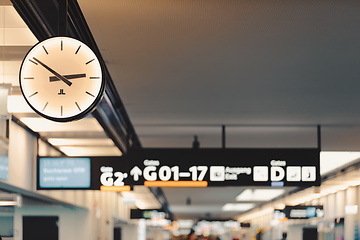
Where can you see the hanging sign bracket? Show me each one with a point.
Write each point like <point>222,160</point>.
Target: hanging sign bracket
<point>63,12</point>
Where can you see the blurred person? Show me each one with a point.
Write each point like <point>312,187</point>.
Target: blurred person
<point>191,235</point>
<point>259,234</point>
<point>284,236</point>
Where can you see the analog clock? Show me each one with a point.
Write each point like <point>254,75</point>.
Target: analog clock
<point>61,79</point>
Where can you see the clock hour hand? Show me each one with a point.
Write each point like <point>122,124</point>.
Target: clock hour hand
<point>72,76</point>
<point>62,78</point>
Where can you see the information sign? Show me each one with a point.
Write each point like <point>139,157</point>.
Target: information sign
<point>147,214</point>
<point>4,167</point>
<point>211,167</point>
<point>299,212</point>
<point>64,173</point>
<point>205,167</point>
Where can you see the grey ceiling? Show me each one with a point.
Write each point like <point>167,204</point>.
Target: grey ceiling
<point>214,62</point>
<point>185,67</point>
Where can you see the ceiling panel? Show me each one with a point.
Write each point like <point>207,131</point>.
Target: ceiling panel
<point>269,70</point>
<point>197,63</point>
<point>178,136</point>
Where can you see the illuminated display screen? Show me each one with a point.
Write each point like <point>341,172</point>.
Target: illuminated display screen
<point>64,173</point>
<point>4,167</point>
<point>299,212</point>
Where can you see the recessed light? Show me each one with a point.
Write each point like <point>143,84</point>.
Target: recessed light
<point>44,125</point>
<point>238,207</point>
<point>81,141</point>
<point>259,194</point>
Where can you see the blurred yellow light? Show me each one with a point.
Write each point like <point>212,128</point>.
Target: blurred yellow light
<point>115,188</point>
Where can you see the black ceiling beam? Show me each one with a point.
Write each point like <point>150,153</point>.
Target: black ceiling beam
<point>42,17</point>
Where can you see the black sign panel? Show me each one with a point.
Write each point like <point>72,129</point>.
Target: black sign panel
<point>207,167</point>
<point>245,225</point>
<point>299,212</point>
<point>146,214</point>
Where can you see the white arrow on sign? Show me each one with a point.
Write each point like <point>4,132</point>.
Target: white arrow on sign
<point>136,172</point>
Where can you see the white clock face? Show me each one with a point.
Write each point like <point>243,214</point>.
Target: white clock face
<point>61,79</point>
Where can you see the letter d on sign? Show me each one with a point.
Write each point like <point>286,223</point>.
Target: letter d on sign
<point>277,173</point>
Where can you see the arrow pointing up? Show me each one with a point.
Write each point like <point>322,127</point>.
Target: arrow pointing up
<point>136,172</point>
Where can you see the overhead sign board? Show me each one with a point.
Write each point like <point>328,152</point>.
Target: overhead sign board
<point>207,167</point>
<point>299,212</point>
<point>211,167</point>
<point>146,214</point>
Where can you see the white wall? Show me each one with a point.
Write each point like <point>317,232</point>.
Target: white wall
<point>129,232</point>
<point>351,199</point>
<point>295,232</point>
<point>73,222</point>
<point>22,156</point>
<point>103,208</point>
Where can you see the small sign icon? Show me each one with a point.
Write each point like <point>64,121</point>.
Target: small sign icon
<point>61,92</point>
<point>293,174</point>
<point>308,174</point>
<point>261,174</point>
<point>217,173</point>
<point>136,172</point>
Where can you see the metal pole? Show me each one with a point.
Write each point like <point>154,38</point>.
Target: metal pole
<point>319,137</point>
<point>63,11</point>
<point>223,136</point>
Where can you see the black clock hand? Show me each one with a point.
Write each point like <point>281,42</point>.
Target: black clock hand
<point>53,72</point>
<point>72,76</point>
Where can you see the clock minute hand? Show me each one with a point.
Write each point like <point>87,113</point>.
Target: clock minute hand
<point>72,76</point>
<point>62,78</point>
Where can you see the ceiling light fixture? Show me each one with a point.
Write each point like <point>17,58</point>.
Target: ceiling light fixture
<point>10,199</point>
<point>91,151</point>
<point>44,125</point>
<point>8,203</point>
<point>238,207</point>
<point>81,141</point>
<point>259,194</point>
